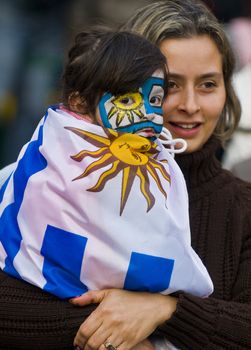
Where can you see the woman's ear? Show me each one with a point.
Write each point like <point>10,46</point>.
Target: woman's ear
<point>76,103</point>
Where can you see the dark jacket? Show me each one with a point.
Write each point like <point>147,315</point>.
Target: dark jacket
<point>220,214</point>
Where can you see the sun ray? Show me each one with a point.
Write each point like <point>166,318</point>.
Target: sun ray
<point>111,134</point>
<point>152,152</point>
<point>163,161</point>
<point>130,117</point>
<point>120,118</point>
<point>158,165</point>
<point>138,113</point>
<point>155,176</point>
<point>94,154</point>
<point>129,174</point>
<point>94,139</point>
<point>108,158</point>
<point>145,188</point>
<point>107,175</point>
<point>112,111</point>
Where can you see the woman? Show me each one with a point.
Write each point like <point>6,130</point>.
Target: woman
<point>201,108</point>
<point>220,207</point>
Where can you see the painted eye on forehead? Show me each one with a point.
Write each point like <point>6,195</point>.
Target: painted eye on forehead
<point>128,101</point>
<point>126,107</point>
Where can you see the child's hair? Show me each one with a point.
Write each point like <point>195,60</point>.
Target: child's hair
<point>103,60</point>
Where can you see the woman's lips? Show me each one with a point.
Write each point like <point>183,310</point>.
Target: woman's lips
<point>184,130</point>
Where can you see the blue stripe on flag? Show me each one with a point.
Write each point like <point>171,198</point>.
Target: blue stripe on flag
<point>148,273</point>
<point>10,236</point>
<point>62,272</point>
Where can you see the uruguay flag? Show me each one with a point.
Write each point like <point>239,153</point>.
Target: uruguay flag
<point>92,208</point>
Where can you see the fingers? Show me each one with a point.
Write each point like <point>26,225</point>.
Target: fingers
<point>87,329</point>
<point>91,297</point>
<point>112,342</point>
<point>122,318</point>
<point>122,346</point>
<point>100,340</point>
<point>97,340</point>
<point>94,333</point>
<point>82,300</point>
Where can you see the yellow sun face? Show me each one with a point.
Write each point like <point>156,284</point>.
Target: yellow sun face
<point>131,149</point>
<point>130,154</point>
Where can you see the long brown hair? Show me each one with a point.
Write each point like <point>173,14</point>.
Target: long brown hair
<point>183,19</point>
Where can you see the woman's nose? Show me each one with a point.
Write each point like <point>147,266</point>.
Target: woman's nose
<point>188,102</point>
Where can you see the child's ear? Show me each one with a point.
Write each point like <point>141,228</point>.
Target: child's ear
<point>76,103</point>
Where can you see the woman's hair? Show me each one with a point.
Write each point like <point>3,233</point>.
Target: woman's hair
<point>103,60</point>
<point>184,19</point>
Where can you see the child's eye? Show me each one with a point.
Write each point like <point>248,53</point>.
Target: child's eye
<point>156,100</point>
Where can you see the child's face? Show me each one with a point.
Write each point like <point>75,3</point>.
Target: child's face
<point>137,112</point>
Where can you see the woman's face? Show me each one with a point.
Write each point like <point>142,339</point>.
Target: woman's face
<point>197,93</point>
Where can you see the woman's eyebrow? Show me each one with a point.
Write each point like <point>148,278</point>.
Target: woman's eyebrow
<point>202,76</point>
<point>175,75</point>
<point>212,74</point>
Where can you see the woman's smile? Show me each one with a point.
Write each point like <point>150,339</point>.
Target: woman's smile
<point>184,130</point>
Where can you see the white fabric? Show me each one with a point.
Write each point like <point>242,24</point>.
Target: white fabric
<point>5,173</point>
<point>161,343</point>
<point>66,239</point>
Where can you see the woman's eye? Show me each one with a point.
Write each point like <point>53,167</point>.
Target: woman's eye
<point>172,85</point>
<point>209,85</point>
<point>156,100</point>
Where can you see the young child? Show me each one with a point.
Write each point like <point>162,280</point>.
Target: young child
<point>96,201</point>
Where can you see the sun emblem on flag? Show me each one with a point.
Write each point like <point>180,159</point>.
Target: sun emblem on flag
<point>130,153</point>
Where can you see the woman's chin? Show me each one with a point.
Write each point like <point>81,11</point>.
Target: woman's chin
<point>194,145</point>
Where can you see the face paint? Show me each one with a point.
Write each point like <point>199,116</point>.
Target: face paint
<point>135,112</point>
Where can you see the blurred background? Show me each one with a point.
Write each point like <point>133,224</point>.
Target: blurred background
<point>36,34</point>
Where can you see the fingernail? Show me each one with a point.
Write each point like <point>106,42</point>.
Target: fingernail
<point>72,299</point>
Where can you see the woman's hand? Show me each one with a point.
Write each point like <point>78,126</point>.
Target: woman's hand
<point>123,318</point>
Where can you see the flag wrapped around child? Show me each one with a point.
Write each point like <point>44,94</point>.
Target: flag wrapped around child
<point>90,208</point>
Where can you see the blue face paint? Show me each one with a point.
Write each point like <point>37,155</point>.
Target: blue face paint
<point>134,111</point>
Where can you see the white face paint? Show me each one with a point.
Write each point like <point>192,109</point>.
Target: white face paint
<point>135,112</point>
